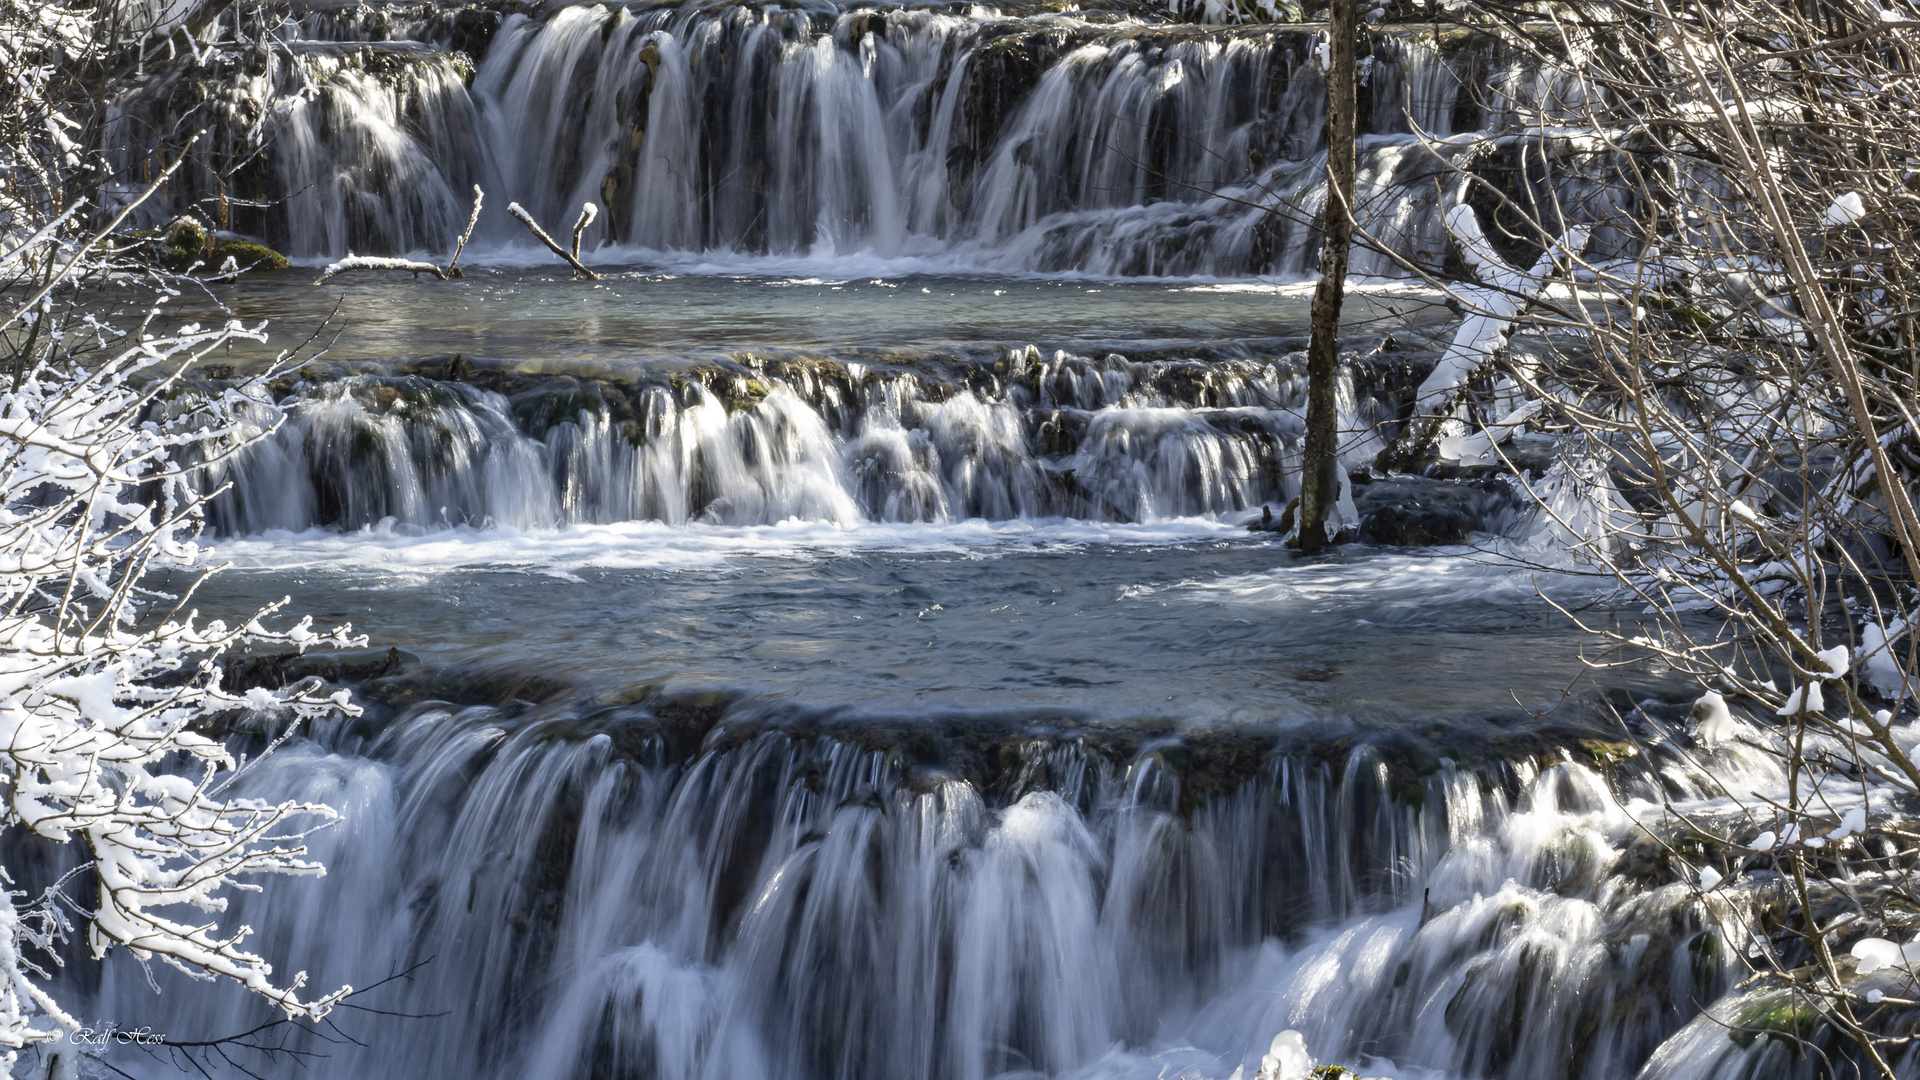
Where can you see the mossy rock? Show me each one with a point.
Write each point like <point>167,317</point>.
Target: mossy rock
<point>1606,751</point>
<point>246,255</point>
<point>538,412</point>
<point>185,242</point>
<point>1705,955</point>
<point>1784,1017</point>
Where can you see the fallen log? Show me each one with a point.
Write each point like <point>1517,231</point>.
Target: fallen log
<point>368,262</point>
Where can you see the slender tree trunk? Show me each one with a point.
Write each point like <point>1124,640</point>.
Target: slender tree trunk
<point>1318,487</point>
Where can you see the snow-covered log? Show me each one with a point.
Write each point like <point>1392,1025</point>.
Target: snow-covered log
<point>369,262</point>
<point>1491,309</point>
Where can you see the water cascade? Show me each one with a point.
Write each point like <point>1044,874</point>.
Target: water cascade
<point>748,814</point>
<point>676,891</point>
<point>1084,142</point>
<point>1030,437</point>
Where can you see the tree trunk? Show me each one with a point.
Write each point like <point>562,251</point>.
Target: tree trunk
<point>1318,487</point>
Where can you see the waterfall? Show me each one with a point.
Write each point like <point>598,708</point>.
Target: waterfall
<point>1061,436</point>
<point>1049,143</point>
<point>589,900</point>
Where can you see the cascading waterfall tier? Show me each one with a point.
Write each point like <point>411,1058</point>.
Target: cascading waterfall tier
<point>676,890</point>
<point>768,441</point>
<point>1089,142</point>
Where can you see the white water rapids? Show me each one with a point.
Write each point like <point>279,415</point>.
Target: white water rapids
<point>1074,142</point>
<point>801,676</point>
<point>794,906</point>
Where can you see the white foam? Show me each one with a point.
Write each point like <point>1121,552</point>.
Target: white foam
<point>655,546</point>
<point>1390,580</point>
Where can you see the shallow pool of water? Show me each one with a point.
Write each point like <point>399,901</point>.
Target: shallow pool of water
<point>1191,621</point>
<point>640,313</point>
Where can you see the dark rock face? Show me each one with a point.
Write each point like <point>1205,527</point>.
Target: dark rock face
<point>1415,511</point>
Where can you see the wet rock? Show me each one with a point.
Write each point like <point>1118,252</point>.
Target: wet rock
<point>411,684</point>
<point>186,245</point>
<point>1418,511</point>
<point>473,30</point>
<point>279,670</point>
<point>1267,522</point>
<point>867,22</point>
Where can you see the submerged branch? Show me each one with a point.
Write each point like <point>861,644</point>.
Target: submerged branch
<point>453,265</point>
<point>519,212</point>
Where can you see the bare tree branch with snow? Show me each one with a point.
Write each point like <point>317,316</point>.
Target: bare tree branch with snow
<point>111,699</point>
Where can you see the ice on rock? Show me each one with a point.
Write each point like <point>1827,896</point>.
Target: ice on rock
<point>1713,721</point>
<point>1876,953</point>
<point>1287,1058</point>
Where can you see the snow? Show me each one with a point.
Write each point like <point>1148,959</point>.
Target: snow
<point>1835,660</point>
<point>1845,210</point>
<point>1880,664</point>
<point>1852,823</point>
<point>1809,694</point>
<point>1876,953</point>
<point>1709,879</point>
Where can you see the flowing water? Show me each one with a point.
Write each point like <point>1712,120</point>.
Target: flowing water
<point>1071,142</point>
<point>830,647</point>
<point>794,685</point>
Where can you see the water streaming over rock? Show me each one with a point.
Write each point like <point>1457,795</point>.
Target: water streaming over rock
<point>1033,436</point>
<point>641,891</point>
<point>1086,142</point>
<point>679,890</point>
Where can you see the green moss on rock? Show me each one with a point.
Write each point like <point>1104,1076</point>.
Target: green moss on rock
<point>1784,1017</point>
<point>246,255</point>
<point>185,242</point>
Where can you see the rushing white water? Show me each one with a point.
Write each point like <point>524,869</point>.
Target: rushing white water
<point>984,750</point>
<point>1050,143</point>
<point>783,905</point>
<point>1037,437</point>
